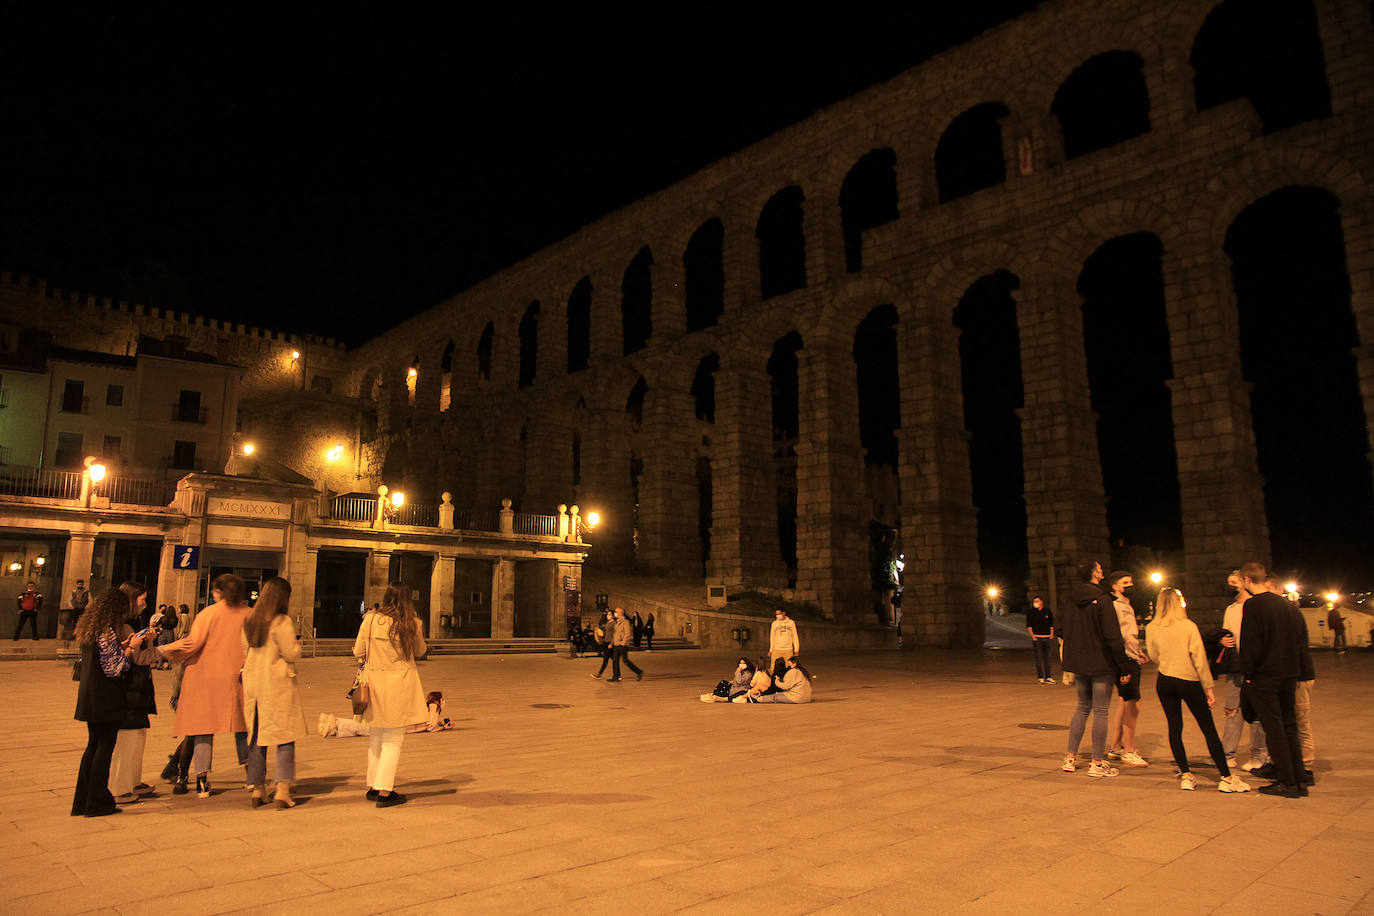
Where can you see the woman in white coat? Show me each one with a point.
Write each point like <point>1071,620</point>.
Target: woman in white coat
<point>390,639</point>
<point>271,700</point>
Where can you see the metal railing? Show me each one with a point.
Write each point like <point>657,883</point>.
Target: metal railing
<point>353,508</point>
<point>42,482</point>
<point>537,525</point>
<point>185,413</point>
<point>137,491</point>
<point>476,520</point>
<point>425,515</point>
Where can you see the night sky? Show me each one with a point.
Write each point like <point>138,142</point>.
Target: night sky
<point>309,173</point>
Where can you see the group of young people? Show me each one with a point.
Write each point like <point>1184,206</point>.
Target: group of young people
<point>1261,655</point>
<point>767,680</point>
<point>235,674</point>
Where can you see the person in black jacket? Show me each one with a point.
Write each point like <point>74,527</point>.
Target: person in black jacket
<point>1096,654</point>
<point>1274,656</point>
<point>101,698</point>
<point>126,767</point>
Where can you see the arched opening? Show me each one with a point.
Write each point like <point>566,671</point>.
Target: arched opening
<point>580,325</point>
<point>446,377</point>
<point>484,347</point>
<point>782,244</point>
<point>704,509</point>
<point>636,302</point>
<point>704,388</point>
<point>529,344</point>
<point>969,156</point>
<point>1297,333</point>
<point>1269,53</point>
<point>785,387</point>
<point>634,404</point>
<point>875,361</point>
<point>990,375</point>
<point>704,275</point>
<point>412,380</point>
<point>1102,103</point>
<point>1126,336</point>
<point>868,198</point>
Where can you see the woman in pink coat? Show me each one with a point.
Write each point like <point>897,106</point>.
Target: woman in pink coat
<point>211,699</point>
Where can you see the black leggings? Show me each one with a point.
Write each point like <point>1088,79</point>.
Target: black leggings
<point>1174,692</point>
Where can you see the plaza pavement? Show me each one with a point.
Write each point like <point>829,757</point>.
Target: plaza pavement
<point>910,786</point>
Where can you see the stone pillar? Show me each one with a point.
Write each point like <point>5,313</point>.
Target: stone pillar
<point>1065,502</point>
<point>441,599</point>
<point>446,510</point>
<point>378,577</point>
<point>823,229</point>
<point>605,488</point>
<point>76,565</point>
<point>832,519</point>
<point>503,599</point>
<point>303,592</point>
<point>171,588</point>
<point>548,464</point>
<point>670,297</point>
<point>940,599</point>
<point>507,517</point>
<point>607,338</point>
<point>668,541</point>
<point>1347,36</point>
<point>744,529</point>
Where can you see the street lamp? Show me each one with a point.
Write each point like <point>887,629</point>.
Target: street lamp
<point>1333,597</point>
<point>1156,577</point>
<point>398,499</point>
<point>97,472</point>
<point>249,448</point>
<point>334,454</point>
<point>593,519</point>
<point>992,592</point>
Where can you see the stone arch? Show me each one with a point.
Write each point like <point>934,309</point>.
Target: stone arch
<point>1103,102</point>
<point>839,317</point>
<point>1083,233</point>
<point>970,155</point>
<point>781,234</point>
<point>579,325</point>
<point>868,198</point>
<point>950,276</point>
<point>703,272</point>
<point>636,301</point>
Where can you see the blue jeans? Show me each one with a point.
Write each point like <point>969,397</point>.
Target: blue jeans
<point>1094,692</point>
<point>203,749</point>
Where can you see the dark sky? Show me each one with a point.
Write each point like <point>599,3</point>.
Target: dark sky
<point>311,173</point>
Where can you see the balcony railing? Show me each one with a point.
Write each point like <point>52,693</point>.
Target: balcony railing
<point>136,491</point>
<point>353,508</point>
<point>422,514</point>
<point>544,526</point>
<point>476,520</point>
<point>45,483</point>
<point>186,413</point>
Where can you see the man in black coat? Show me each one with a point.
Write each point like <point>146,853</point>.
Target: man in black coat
<point>1273,657</point>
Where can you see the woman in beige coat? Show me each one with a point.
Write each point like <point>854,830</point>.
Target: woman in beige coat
<point>390,639</point>
<point>211,700</point>
<point>271,701</point>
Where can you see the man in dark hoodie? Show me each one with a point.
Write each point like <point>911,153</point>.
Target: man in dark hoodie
<point>1274,656</point>
<point>1096,654</point>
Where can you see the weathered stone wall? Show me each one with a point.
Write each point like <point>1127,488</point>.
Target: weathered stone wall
<point>1184,181</point>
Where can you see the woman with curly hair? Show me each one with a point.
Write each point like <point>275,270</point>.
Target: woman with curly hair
<point>101,697</point>
<point>389,641</point>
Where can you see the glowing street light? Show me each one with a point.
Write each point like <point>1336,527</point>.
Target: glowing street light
<point>1156,577</point>
<point>16,566</point>
<point>334,454</point>
<point>593,519</point>
<point>413,372</point>
<point>398,499</point>
<point>97,472</point>
<point>992,591</point>
<point>295,354</point>
<point>40,562</point>
<point>1333,597</point>
<point>1291,588</point>
<point>249,448</point>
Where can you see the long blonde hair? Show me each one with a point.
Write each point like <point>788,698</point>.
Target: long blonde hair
<point>1170,608</point>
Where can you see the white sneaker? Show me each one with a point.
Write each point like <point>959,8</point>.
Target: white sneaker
<point>1050,680</point>
<point>1070,763</point>
<point>1040,681</point>
<point>1186,782</point>
<point>1113,754</point>
<point>1231,763</point>
<point>707,698</point>
<point>1101,770</point>
<point>1233,783</point>
<point>1132,759</point>
<point>1253,764</point>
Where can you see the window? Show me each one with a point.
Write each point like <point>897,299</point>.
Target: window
<point>68,450</point>
<point>73,396</point>
<point>188,409</point>
<point>114,395</point>
<point>111,447</point>
<point>184,456</point>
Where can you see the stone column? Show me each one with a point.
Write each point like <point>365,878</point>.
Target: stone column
<point>670,297</point>
<point>1065,502</point>
<point>548,464</point>
<point>303,591</point>
<point>441,600</point>
<point>170,584</point>
<point>940,601</point>
<point>607,338</point>
<point>823,229</point>
<point>503,599</point>
<point>378,577</point>
<point>76,565</point>
<point>668,542</point>
<point>832,540</point>
<point>1347,36</point>
<point>744,529</point>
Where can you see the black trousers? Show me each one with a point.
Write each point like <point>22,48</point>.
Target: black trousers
<point>605,659</point>
<point>1276,708</point>
<point>622,653</point>
<point>29,617</point>
<point>1042,657</point>
<point>1173,693</point>
<point>93,779</point>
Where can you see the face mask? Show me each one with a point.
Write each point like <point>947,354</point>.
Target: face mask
<point>741,666</point>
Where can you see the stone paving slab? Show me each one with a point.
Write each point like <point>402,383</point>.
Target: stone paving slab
<point>909,786</point>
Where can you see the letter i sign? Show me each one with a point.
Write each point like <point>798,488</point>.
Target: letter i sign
<point>186,557</point>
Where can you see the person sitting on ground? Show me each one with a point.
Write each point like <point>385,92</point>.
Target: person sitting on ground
<point>775,676</point>
<point>332,726</point>
<point>727,690</point>
<point>793,687</point>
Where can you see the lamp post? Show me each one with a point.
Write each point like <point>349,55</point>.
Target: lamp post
<point>91,474</point>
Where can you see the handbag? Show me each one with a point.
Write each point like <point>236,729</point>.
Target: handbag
<point>360,693</point>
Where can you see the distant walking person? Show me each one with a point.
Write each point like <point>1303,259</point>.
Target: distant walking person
<point>389,641</point>
<point>1095,653</point>
<point>620,649</point>
<point>29,603</point>
<point>783,641</point>
<point>1273,657</point>
<point>605,635</point>
<point>638,624</point>
<point>649,632</point>
<point>1040,626</point>
<point>271,699</point>
<point>1186,677</point>
<point>1122,722</point>
<point>100,698</point>
<point>1336,624</point>
<point>211,699</point>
